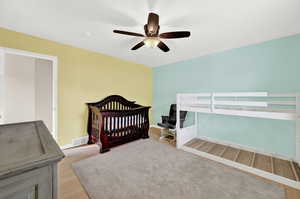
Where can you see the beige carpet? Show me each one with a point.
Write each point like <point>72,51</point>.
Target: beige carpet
<point>147,169</point>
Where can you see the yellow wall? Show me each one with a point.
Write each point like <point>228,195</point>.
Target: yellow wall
<point>84,76</point>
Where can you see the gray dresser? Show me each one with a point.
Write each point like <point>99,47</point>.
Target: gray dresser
<point>28,161</point>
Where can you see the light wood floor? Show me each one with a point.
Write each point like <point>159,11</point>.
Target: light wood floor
<point>70,187</point>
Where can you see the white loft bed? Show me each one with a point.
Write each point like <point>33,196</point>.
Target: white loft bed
<point>247,104</point>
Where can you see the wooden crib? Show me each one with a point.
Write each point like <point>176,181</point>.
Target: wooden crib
<point>115,120</point>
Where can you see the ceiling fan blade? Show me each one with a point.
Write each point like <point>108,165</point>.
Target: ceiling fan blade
<point>152,26</point>
<point>128,33</point>
<point>175,35</point>
<point>163,46</point>
<point>138,45</point>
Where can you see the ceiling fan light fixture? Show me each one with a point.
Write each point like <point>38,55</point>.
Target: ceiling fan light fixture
<point>152,36</point>
<point>151,42</point>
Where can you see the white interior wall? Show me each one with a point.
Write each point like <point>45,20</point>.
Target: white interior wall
<point>1,85</point>
<point>43,91</point>
<point>19,95</point>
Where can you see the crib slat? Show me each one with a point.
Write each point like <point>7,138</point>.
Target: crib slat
<point>140,121</point>
<point>129,124</point>
<point>114,126</point>
<point>125,125</point>
<point>142,124</point>
<point>119,125</point>
<point>128,120</point>
<point>132,122</point>
<point>132,126</point>
<point>104,123</point>
<point>122,126</point>
<point>135,123</point>
<point>110,125</point>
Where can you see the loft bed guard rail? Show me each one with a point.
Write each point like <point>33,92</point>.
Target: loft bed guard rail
<point>284,106</point>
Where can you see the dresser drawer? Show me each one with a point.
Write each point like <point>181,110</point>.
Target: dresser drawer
<point>35,184</point>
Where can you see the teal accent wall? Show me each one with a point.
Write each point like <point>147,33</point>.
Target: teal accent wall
<point>272,66</point>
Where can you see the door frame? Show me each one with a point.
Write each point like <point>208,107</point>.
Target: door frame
<point>54,61</point>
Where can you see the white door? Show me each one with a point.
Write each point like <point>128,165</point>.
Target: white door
<point>1,85</point>
<point>19,82</point>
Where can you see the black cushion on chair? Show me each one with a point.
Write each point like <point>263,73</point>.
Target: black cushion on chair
<point>170,121</point>
<point>167,125</point>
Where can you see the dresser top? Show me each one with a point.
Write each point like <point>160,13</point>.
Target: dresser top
<point>24,146</point>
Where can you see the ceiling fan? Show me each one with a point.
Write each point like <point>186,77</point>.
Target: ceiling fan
<point>152,37</point>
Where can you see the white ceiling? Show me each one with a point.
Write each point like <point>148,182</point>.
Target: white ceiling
<point>215,25</point>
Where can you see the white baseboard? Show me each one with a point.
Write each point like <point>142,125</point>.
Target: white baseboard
<point>76,142</point>
<point>264,174</point>
<point>155,126</point>
<point>67,146</point>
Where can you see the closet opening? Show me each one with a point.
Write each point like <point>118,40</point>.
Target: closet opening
<point>28,88</point>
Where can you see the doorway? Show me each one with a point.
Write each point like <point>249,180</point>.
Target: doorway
<point>28,88</point>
